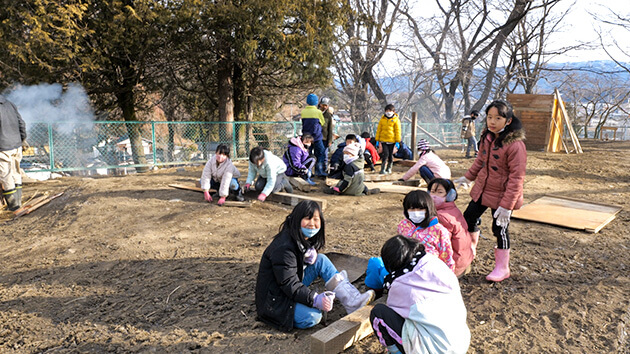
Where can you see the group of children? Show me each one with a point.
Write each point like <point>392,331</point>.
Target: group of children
<point>436,243</point>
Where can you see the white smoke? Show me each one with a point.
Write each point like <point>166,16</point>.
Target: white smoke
<point>50,103</point>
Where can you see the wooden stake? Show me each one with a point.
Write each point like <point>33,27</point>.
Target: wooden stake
<point>343,333</point>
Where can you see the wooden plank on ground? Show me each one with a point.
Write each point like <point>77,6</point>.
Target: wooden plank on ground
<point>382,178</point>
<point>391,188</point>
<point>36,206</point>
<point>354,266</point>
<point>30,204</point>
<point>189,188</point>
<point>406,163</point>
<point>410,182</point>
<point>237,204</point>
<point>568,212</point>
<point>300,184</point>
<point>343,333</point>
<point>294,199</point>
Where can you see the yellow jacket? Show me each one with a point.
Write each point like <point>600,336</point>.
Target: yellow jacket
<point>388,130</point>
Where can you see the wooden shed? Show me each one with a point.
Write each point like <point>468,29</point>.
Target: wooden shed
<point>545,119</point>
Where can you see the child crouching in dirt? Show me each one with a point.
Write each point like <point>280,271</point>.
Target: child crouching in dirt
<point>270,171</point>
<point>425,312</point>
<point>297,159</point>
<point>420,223</point>
<point>429,164</point>
<point>291,263</point>
<point>353,176</point>
<point>444,194</point>
<point>221,174</point>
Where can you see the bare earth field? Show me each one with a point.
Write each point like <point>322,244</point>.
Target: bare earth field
<point>128,264</point>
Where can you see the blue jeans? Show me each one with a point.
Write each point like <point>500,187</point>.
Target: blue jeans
<point>472,143</point>
<point>426,173</point>
<point>320,154</point>
<point>305,316</point>
<point>216,185</point>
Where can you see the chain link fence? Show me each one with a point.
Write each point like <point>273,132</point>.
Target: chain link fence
<point>106,147</point>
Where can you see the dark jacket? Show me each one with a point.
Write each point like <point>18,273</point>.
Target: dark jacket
<point>403,152</point>
<point>279,283</point>
<point>499,172</point>
<point>337,156</point>
<point>353,178</point>
<point>12,127</point>
<point>294,158</point>
<point>327,128</point>
<point>312,121</point>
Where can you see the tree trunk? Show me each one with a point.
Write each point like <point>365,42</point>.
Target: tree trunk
<point>126,102</point>
<point>225,90</point>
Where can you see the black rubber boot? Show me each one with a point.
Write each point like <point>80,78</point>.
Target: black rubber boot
<point>18,188</point>
<point>238,194</point>
<point>11,198</point>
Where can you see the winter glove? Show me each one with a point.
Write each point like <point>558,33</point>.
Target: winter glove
<point>324,301</point>
<point>247,187</point>
<point>302,171</point>
<point>221,201</point>
<point>207,197</point>
<point>462,182</point>
<point>310,256</point>
<point>262,197</point>
<point>503,216</point>
<point>397,146</point>
<point>336,189</point>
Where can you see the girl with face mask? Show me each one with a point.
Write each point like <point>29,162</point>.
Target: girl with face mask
<point>291,263</point>
<point>444,194</point>
<point>421,223</point>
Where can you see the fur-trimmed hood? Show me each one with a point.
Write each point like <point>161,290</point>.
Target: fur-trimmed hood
<point>517,135</point>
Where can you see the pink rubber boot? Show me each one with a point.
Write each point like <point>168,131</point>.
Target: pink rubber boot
<point>502,268</point>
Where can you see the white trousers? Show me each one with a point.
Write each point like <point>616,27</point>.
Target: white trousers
<point>10,168</point>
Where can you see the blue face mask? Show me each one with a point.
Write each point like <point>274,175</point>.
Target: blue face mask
<point>308,233</point>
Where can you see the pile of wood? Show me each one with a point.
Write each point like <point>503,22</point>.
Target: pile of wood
<point>35,203</point>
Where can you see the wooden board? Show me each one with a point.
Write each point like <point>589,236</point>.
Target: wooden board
<point>237,204</point>
<point>354,266</point>
<point>300,184</point>
<point>343,333</point>
<point>294,199</point>
<point>382,178</point>
<point>406,163</point>
<point>391,188</point>
<point>410,182</point>
<point>568,212</point>
<point>189,188</point>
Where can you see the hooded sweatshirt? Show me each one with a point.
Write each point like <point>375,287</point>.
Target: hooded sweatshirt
<point>294,157</point>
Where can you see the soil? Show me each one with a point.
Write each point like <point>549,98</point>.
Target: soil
<point>128,264</point>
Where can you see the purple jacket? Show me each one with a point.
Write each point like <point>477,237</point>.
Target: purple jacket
<point>294,158</point>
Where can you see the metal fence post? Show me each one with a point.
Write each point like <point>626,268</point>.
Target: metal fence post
<point>153,143</point>
<point>50,147</point>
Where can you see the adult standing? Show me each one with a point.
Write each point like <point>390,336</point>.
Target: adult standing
<point>328,127</point>
<point>469,132</point>
<point>12,138</point>
<point>312,123</point>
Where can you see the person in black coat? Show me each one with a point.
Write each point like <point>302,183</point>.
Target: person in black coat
<point>290,264</point>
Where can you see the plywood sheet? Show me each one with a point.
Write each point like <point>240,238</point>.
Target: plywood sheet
<point>568,212</point>
<point>354,266</point>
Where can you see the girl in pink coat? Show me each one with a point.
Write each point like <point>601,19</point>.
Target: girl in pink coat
<point>498,172</point>
<point>421,223</point>
<point>444,194</point>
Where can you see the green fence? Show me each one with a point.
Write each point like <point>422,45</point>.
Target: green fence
<point>102,146</point>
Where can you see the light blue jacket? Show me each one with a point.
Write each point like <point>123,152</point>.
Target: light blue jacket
<point>270,169</point>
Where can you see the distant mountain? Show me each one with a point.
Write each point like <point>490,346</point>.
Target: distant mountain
<point>550,81</point>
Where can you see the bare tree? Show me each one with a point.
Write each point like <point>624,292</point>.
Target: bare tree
<point>364,39</point>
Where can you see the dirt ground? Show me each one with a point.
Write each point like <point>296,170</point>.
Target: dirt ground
<point>128,264</point>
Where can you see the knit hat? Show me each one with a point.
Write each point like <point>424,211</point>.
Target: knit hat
<point>352,149</point>
<point>423,145</point>
<point>312,99</point>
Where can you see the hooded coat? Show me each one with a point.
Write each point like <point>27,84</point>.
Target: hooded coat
<point>388,130</point>
<point>294,157</point>
<point>499,172</point>
<point>452,219</point>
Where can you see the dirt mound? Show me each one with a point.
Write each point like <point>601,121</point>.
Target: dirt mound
<point>128,264</point>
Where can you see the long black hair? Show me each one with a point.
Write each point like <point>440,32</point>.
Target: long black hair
<point>505,111</point>
<point>398,251</point>
<point>293,225</point>
<point>420,200</point>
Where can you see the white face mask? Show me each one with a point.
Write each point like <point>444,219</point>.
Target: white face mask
<point>348,159</point>
<point>416,216</point>
<point>389,114</point>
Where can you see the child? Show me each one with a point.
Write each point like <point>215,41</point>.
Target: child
<point>425,312</point>
<point>297,159</point>
<point>221,174</point>
<point>499,171</point>
<point>429,164</point>
<point>421,223</point>
<point>402,151</point>
<point>469,132</point>
<point>388,134</point>
<point>370,153</point>
<point>312,123</point>
<point>352,173</point>
<point>291,263</point>
<point>336,161</point>
<point>271,169</point>
<point>444,194</point>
